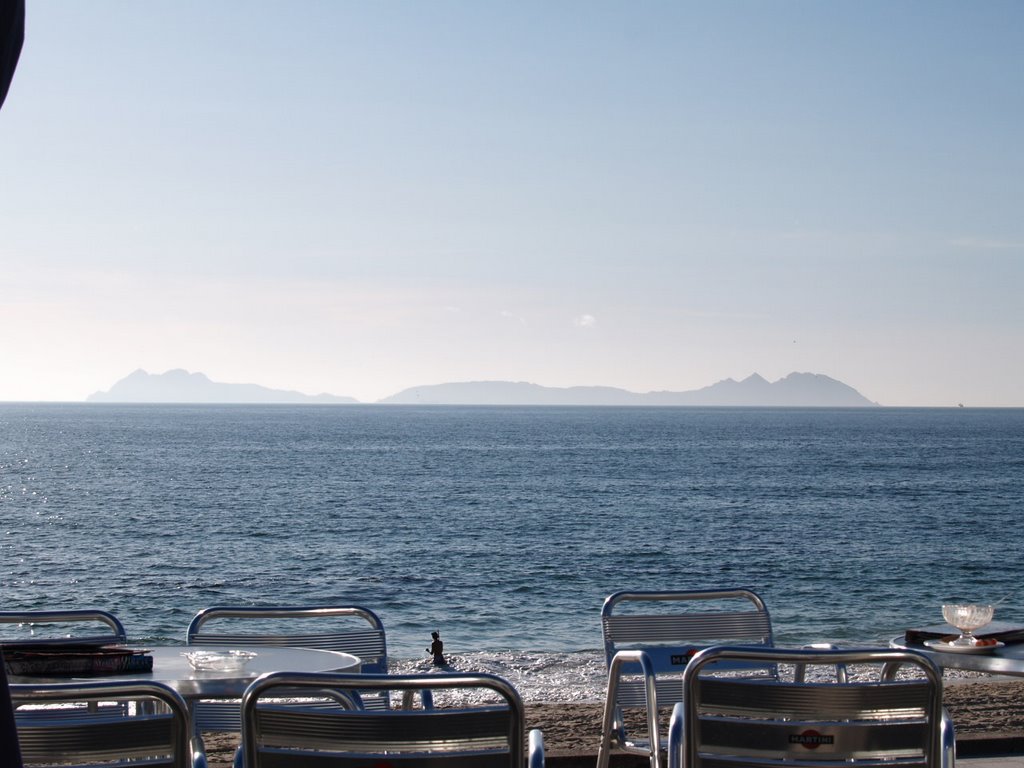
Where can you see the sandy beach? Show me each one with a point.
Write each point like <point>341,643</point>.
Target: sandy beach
<point>979,710</point>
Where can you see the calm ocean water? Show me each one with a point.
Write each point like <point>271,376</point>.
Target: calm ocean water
<point>505,528</point>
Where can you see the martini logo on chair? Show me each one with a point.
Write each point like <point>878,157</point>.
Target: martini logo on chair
<point>682,659</point>
<point>811,739</point>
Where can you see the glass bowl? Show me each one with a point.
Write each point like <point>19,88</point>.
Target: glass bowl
<point>967,617</point>
<point>218,661</point>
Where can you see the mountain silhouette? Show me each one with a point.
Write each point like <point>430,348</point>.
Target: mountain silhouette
<point>794,390</point>
<point>180,386</point>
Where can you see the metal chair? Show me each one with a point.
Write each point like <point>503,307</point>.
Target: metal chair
<point>727,722</point>
<point>649,638</point>
<point>351,629</point>
<point>95,628</point>
<point>47,622</point>
<point>153,732</point>
<point>488,732</point>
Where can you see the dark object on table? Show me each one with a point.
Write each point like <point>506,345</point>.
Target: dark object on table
<point>51,660</point>
<point>997,630</point>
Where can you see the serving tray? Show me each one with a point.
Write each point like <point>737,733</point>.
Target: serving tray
<point>996,630</point>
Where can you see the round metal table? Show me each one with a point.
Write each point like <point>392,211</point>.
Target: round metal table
<point>1008,660</point>
<point>171,667</point>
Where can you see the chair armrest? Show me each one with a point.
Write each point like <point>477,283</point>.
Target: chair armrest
<point>610,724</point>
<point>198,756</point>
<point>948,736</point>
<point>535,757</point>
<point>676,730</point>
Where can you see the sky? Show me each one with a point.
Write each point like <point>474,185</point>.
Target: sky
<point>359,197</point>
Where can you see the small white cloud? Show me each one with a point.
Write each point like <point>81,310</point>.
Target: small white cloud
<point>509,315</point>
<point>584,321</point>
<point>984,244</point>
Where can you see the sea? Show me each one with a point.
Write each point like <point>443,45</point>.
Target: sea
<point>505,528</point>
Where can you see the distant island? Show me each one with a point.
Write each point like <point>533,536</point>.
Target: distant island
<point>794,390</point>
<point>180,386</point>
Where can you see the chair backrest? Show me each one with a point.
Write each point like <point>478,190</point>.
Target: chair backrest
<point>484,728</point>
<point>351,629</point>
<point>52,730</point>
<point>671,626</point>
<point>44,627</point>
<point>735,722</point>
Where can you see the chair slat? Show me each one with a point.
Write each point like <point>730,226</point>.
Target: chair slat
<point>288,759</point>
<point>713,761</point>
<point>797,739</point>
<point>481,729</point>
<point>680,628</point>
<point>367,643</point>
<point>773,698</point>
<point>633,693</point>
<point>121,739</point>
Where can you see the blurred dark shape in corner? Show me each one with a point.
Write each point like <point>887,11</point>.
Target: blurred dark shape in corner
<point>12,35</point>
<point>10,754</point>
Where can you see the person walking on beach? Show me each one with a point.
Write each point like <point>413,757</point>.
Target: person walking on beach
<point>437,650</point>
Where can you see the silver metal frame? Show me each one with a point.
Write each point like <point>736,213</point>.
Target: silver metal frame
<point>116,635</point>
<point>370,645</point>
<point>858,719</point>
<point>647,673</point>
<point>158,724</point>
<point>356,735</point>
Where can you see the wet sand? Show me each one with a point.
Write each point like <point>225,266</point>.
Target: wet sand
<point>979,710</point>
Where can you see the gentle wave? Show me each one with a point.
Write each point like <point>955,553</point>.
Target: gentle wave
<point>507,527</point>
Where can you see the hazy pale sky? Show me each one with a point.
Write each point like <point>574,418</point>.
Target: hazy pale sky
<point>358,197</point>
